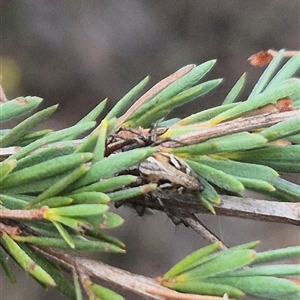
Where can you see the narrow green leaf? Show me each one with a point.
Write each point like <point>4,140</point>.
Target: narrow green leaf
<point>112,165</point>
<point>46,169</point>
<point>192,258</point>
<point>111,220</point>
<point>94,113</point>
<point>271,96</point>
<point>204,288</point>
<point>54,137</point>
<point>174,88</point>
<point>64,234</point>
<point>209,192</point>
<point>79,243</point>
<point>282,159</point>
<point>273,270</point>
<point>6,167</point>
<point>219,254</point>
<point>11,202</point>
<point>62,284</point>
<point>59,186</point>
<point>227,262</point>
<point>105,293</point>
<point>205,115</point>
<point>267,75</point>
<point>240,169</point>
<point>78,210</point>
<point>99,150</point>
<point>131,192</point>
<point>256,184</point>
<point>51,202</point>
<point>154,114</point>
<point>77,286</point>
<point>32,136</point>
<point>108,185</point>
<point>272,255</point>
<point>235,91</point>
<point>287,71</point>
<point>288,153</point>
<point>282,129</point>
<point>233,142</point>
<point>260,286</point>
<point>6,267</point>
<point>90,198</point>
<point>77,224</point>
<point>122,103</point>
<point>286,187</point>
<point>205,202</point>
<point>35,187</point>
<point>104,237</point>
<point>217,177</point>
<point>44,155</point>
<point>26,262</point>
<point>88,144</point>
<point>18,107</point>
<point>25,126</point>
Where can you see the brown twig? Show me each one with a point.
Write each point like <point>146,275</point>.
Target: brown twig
<point>30,214</point>
<point>201,229</point>
<point>239,125</point>
<point>144,286</point>
<point>186,205</point>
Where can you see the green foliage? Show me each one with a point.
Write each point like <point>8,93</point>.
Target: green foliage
<point>66,185</point>
<point>207,273</point>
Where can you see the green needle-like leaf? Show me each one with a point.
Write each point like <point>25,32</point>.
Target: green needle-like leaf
<point>287,71</point>
<point>233,142</point>
<point>105,293</point>
<point>44,154</point>
<point>131,192</point>
<point>22,128</point>
<point>235,91</point>
<point>17,107</point>
<point>272,255</point>
<point>121,104</point>
<point>219,178</point>
<point>90,198</point>
<point>53,137</point>
<point>7,269</point>
<point>261,286</point>
<point>174,88</point>
<point>6,167</point>
<point>77,210</point>
<point>112,165</point>
<point>94,114</point>
<point>192,258</point>
<point>273,270</point>
<point>154,114</point>
<point>46,169</point>
<point>58,187</point>
<point>227,262</point>
<point>108,185</point>
<point>287,187</point>
<point>101,142</point>
<point>26,262</point>
<point>288,127</point>
<point>64,234</point>
<point>271,96</point>
<point>267,74</point>
<point>204,288</point>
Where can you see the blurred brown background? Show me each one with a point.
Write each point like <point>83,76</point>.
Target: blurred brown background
<point>77,53</point>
